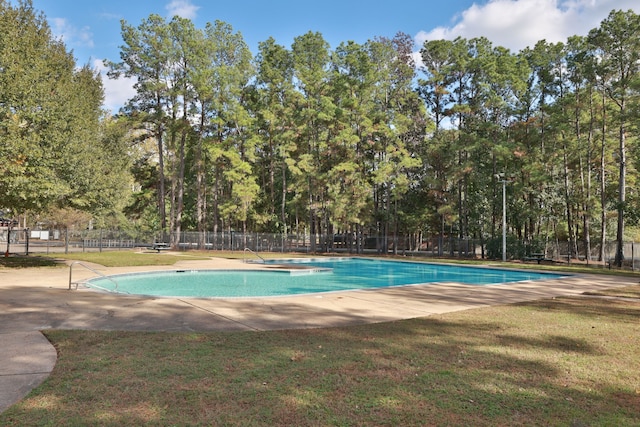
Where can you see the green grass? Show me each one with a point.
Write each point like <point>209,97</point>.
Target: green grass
<point>107,259</point>
<point>563,361</point>
<point>575,267</point>
<point>129,258</point>
<point>134,258</point>
<point>126,258</point>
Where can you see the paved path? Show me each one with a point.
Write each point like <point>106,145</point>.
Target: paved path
<point>36,299</point>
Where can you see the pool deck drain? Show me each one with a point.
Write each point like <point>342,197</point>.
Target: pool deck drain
<point>36,299</point>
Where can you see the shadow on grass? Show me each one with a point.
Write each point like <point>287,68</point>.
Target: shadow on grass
<point>566,361</point>
<point>626,292</point>
<point>589,308</point>
<point>28,262</point>
<point>551,342</point>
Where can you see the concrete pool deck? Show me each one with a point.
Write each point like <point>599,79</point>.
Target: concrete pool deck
<point>37,299</point>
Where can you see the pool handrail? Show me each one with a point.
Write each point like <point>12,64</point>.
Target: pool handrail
<point>71,282</point>
<point>255,253</point>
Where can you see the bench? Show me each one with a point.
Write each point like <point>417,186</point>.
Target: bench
<point>159,246</point>
<point>536,257</point>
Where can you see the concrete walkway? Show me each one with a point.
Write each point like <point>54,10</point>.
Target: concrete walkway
<point>36,299</point>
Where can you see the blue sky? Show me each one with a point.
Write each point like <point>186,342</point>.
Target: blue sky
<point>91,29</point>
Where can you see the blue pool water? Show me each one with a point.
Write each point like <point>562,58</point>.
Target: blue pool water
<point>304,277</point>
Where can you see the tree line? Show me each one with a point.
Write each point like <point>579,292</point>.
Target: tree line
<point>359,139</point>
<point>61,157</point>
<point>303,138</point>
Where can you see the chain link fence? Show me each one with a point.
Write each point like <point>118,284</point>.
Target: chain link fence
<point>25,241</point>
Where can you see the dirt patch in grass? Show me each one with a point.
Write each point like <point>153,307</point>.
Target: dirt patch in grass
<point>562,361</point>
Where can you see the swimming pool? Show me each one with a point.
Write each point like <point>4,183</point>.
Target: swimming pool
<point>306,276</point>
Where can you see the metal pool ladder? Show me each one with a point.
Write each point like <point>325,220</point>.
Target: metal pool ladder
<point>256,254</point>
<point>71,282</point>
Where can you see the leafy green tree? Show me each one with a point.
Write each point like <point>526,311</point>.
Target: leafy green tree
<point>103,157</point>
<point>274,104</point>
<point>28,56</point>
<point>352,131</point>
<point>580,69</point>
<point>340,141</point>
<point>396,110</point>
<point>617,42</point>
<point>183,73</point>
<point>311,59</point>
<point>229,143</point>
<point>497,80</point>
<point>445,91</point>
<point>52,153</point>
<point>145,56</point>
<point>436,90</point>
<point>555,134</point>
<point>183,50</point>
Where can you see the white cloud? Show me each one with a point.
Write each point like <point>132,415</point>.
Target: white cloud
<point>116,91</point>
<point>182,8</point>
<point>71,35</point>
<point>516,24</point>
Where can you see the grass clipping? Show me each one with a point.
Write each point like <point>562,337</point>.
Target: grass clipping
<point>565,361</point>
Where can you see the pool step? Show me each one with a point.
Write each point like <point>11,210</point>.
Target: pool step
<point>314,270</point>
<point>299,269</point>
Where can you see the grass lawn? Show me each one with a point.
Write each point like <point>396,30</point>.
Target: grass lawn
<point>107,259</point>
<point>127,258</point>
<point>566,361</point>
<point>571,361</point>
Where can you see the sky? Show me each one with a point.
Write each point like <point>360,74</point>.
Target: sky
<point>92,29</point>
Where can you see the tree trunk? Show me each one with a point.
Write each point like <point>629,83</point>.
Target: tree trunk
<point>283,204</point>
<point>622,193</point>
<point>162,212</point>
<point>201,188</point>
<point>603,182</point>
<point>179,209</point>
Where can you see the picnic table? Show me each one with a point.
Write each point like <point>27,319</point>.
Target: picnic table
<point>539,257</point>
<point>160,246</point>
